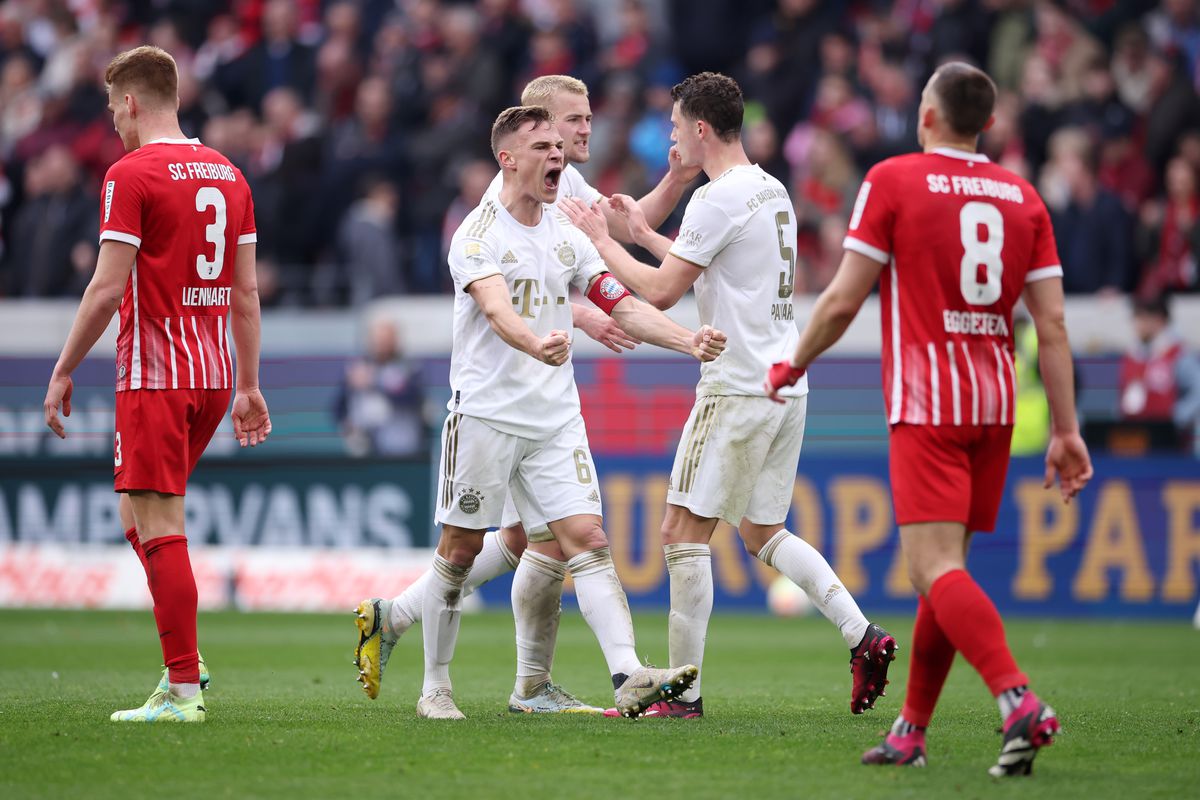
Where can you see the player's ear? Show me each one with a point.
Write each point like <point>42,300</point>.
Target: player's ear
<point>506,159</point>
<point>930,118</point>
<point>131,105</point>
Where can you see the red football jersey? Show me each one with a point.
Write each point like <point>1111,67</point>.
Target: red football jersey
<point>960,237</point>
<point>186,209</point>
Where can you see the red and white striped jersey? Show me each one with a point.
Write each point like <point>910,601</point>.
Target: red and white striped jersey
<point>960,238</point>
<point>186,209</point>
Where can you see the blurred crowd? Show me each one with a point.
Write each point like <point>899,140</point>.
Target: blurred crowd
<point>362,125</point>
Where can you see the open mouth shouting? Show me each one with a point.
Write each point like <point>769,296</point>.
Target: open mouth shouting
<point>550,181</point>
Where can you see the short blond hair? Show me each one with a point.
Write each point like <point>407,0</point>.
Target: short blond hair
<point>511,120</point>
<point>540,91</point>
<point>148,72</point>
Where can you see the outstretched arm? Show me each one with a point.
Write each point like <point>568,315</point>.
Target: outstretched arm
<point>601,327</point>
<point>100,301</point>
<point>835,309</point>
<point>495,300</point>
<point>660,286</point>
<point>1066,455</point>
<point>634,218</point>
<point>656,206</point>
<point>653,326</point>
<point>251,420</point>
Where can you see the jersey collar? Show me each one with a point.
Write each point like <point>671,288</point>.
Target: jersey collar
<point>174,141</point>
<point>950,152</point>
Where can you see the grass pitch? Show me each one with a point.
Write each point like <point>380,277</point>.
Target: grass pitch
<point>286,718</point>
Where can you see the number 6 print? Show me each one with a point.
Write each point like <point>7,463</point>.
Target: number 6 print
<point>211,197</point>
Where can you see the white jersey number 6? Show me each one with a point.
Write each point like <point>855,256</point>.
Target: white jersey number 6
<point>978,253</point>
<point>211,197</point>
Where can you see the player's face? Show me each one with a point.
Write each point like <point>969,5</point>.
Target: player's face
<point>539,161</point>
<point>686,137</point>
<point>122,120</point>
<point>573,118</point>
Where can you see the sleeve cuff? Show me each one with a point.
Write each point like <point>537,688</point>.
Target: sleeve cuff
<point>118,236</point>
<point>248,238</point>
<point>690,258</point>
<point>480,276</point>
<point>862,248</point>
<point>1041,273</point>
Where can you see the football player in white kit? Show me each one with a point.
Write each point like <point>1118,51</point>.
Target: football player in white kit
<point>515,425</point>
<point>540,567</point>
<point>739,451</point>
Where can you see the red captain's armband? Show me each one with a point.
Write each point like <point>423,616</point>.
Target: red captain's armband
<point>606,292</point>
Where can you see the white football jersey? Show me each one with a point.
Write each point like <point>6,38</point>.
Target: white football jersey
<point>506,388</point>
<point>741,229</point>
<point>570,184</point>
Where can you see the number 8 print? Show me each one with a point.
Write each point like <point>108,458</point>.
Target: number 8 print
<point>978,253</point>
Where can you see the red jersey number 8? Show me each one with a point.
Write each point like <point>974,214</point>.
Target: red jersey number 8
<point>981,287</point>
<point>211,197</point>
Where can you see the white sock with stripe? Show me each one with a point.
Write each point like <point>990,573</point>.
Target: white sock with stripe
<point>809,570</point>
<point>442,612</point>
<point>536,601</point>
<point>494,560</point>
<point>690,568</point>
<point>605,608</point>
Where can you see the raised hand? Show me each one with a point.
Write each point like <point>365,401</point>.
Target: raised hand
<point>628,208</point>
<point>677,169</point>
<point>588,218</point>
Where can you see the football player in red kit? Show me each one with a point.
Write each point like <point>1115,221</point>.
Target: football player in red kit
<point>177,248</point>
<point>955,242</point>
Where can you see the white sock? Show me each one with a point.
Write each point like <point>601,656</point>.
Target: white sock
<point>690,568</point>
<point>493,560</point>
<point>536,601</point>
<point>185,690</point>
<point>441,609</point>
<point>605,608</point>
<point>809,570</point>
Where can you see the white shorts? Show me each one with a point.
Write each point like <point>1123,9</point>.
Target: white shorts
<point>548,479</point>
<point>510,517</point>
<point>737,458</point>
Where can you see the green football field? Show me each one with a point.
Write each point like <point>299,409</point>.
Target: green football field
<point>286,718</point>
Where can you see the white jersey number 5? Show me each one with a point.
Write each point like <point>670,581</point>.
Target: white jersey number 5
<point>211,197</point>
<point>977,253</point>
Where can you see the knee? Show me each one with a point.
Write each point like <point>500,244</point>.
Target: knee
<point>461,550</point>
<point>592,538</point>
<point>924,574</point>
<point>514,539</point>
<point>755,537</point>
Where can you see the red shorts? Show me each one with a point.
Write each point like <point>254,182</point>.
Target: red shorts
<point>949,473</point>
<point>161,434</point>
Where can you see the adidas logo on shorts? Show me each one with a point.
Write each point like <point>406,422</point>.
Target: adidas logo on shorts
<point>509,258</point>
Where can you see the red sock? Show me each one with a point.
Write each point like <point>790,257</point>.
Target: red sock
<point>932,655</point>
<point>972,624</point>
<point>136,544</point>
<point>174,590</point>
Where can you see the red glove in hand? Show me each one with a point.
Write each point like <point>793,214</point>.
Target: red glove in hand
<point>780,375</point>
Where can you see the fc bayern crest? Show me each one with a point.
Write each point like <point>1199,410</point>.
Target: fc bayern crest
<point>611,288</point>
<point>566,254</point>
